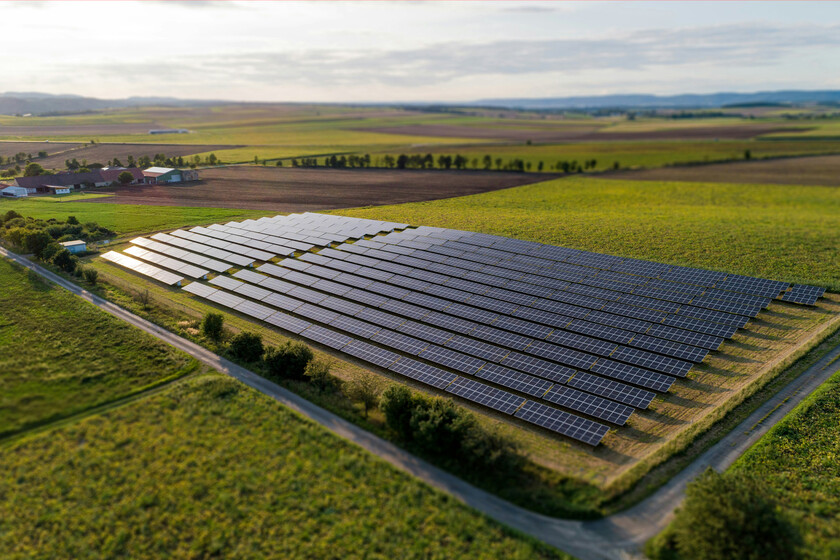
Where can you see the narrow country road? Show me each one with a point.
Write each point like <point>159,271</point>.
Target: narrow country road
<point>619,536</point>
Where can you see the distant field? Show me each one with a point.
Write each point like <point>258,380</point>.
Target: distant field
<point>630,154</point>
<point>59,355</point>
<point>771,231</point>
<point>8,149</point>
<point>273,189</point>
<point>211,468</point>
<point>125,219</point>
<point>823,170</point>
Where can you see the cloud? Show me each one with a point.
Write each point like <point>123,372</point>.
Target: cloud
<point>715,48</point>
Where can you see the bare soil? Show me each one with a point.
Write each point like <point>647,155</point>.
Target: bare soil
<point>586,134</point>
<point>295,190</point>
<point>92,130</point>
<point>814,170</point>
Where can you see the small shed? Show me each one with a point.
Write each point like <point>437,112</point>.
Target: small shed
<point>57,189</point>
<point>13,191</point>
<point>77,246</point>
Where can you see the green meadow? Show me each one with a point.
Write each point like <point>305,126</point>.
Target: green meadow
<point>784,232</point>
<point>126,219</point>
<point>211,468</point>
<point>59,355</point>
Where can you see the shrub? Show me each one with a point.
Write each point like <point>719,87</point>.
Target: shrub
<point>213,325</point>
<point>318,373</point>
<point>72,220</point>
<point>65,261</point>
<point>731,516</point>
<point>143,298</point>
<point>125,178</point>
<point>50,251</point>
<point>247,347</point>
<point>366,389</point>
<point>288,361</point>
<point>91,275</point>
<point>438,427</point>
<point>36,241</point>
<point>397,403</point>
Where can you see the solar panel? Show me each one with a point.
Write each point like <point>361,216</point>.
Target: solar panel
<point>199,289</point>
<point>354,327</point>
<point>803,294</point>
<point>518,381</point>
<point>613,390</point>
<point>590,405</point>
<point>370,353</point>
<point>451,359</point>
<point>569,425</point>
<point>287,322</point>
<point>632,374</point>
<point>424,373</point>
<point>496,399</point>
<point>142,268</point>
<point>326,337</point>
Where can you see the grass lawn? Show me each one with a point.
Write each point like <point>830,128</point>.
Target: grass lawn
<point>212,468</point>
<point>783,232</point>
<point>125,219</point>
<point>797,460</point>
<point>60,355</point>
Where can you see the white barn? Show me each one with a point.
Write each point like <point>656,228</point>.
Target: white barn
<point>13,191</point>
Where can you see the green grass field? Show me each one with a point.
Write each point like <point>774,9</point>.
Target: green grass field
<point>773,231</point>
<point>631,154</point>
<point>797,460</point>
<point>59,355</point>
<point>125,219</point>
<point>211,468</point>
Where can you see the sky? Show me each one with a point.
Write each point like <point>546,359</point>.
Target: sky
<point>416,51</point>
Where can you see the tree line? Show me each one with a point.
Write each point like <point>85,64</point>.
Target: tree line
<point>457,162</point>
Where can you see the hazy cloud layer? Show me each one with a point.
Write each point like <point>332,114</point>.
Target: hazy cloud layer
<point>726,47</point>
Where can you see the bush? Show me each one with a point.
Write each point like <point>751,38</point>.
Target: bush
<point>213,325</point>
<point>36,241</point>
<point>72,220</point>
<point>731,516</point>
<point>91,275</point>
<point>366,389</point>
<point>247,347</point>
<point>318,373</point>
<point>438,427</point>
<point>50,251</point>
<point>125,178</point>
<point>397,403</point>
<point>288,361</point>
<point>65,261</point>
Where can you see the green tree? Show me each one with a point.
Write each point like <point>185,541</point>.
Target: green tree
<point>91,275</point>
<point>731,516</point>
<point>318,373</point>
<point>247,347</point>
<point>747,154</point>
<point>288,361</point>
<point>125,178</point>
<point>365,389</point>
<point>72,220</point>
<point>36,242</point>
<point>397,403</point>
<point>65,261</point>
<point>33,170</point>
<point>213,325</point>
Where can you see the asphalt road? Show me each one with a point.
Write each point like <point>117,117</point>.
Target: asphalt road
<point>619,536</point>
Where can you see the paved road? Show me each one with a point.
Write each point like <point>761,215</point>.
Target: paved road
<point>618,536</point>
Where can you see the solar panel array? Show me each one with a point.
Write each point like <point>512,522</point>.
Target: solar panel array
<point>567,340</point>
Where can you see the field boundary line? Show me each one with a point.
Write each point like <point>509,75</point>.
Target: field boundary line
<point>617,537</point>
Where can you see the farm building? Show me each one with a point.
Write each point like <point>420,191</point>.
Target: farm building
<point>168,131</point>
<point>14,191</point>
<point>77,246</point>
<point>57,189</point>
<point>71,180</point>
<point>111,174</point>
<point>160,175</point>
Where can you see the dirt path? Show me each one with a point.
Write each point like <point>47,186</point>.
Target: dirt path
<point>619,536</point>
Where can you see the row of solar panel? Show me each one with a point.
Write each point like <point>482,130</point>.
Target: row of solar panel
<point>575,427</point>
<point>566,276</point>
<point>476,281</point>
<point>413,337</point>
<point>744,284</point>
<point>803,294</point>
<point>680,344</point>
<point>169,263</point>
<point>422,305</point>
<point>140,267</point>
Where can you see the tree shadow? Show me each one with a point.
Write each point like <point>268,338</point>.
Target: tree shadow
<point>662,418</point>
